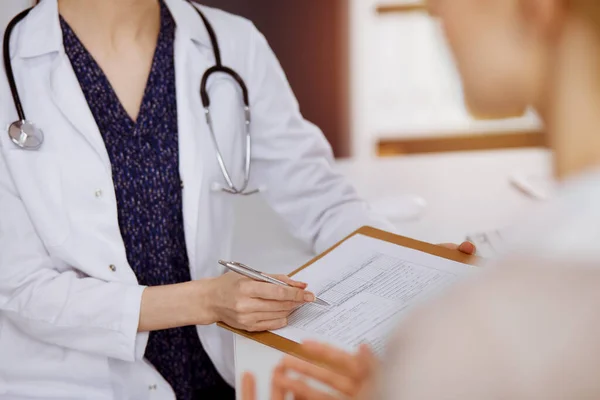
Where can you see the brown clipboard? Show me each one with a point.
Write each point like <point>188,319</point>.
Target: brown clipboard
<point>295,349</point>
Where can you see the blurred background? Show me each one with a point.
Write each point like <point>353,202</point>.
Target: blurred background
<point>375,75</point>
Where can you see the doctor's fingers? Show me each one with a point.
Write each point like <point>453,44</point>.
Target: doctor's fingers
<point>290,281</point>
<point>252,325</point>
<point>250,321</point>
<point>268,291</point>
<point>464,247</point>
<point>252,305</point>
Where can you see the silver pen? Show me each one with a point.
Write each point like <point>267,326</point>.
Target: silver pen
<point>259,276</point>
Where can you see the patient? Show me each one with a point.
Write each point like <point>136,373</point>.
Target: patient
<point>527,328</point>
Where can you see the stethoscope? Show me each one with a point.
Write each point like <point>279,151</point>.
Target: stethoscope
<point>27,136</point>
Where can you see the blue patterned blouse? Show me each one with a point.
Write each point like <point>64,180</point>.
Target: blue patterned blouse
<point>145,170</point>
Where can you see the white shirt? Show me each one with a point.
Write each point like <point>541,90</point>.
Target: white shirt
<point>564,228</point>
<point>69,301</point>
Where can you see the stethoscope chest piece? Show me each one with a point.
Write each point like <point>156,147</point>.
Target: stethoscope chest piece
<point>26,135</point>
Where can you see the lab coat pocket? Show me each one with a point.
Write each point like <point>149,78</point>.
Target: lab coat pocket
<point>38,179</point>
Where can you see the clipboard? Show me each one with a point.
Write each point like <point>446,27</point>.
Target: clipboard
<point>295,349</point>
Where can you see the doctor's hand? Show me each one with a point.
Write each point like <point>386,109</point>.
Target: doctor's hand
<point>254,306</point>
<point>464,247</point>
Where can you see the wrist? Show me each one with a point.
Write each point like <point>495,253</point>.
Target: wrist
<point>173,306</point>
<point>202,305</point>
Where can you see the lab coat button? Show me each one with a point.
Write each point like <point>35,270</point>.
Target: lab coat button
<point>112,268</point>
<point>98,193</point>
<point>152,387</point>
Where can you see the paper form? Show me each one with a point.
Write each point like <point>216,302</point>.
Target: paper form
<point>370,285</point>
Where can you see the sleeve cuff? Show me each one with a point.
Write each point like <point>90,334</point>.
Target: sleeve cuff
<point>134,343</point>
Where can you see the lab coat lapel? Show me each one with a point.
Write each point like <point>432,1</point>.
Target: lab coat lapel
<point>190,64</point>
<point>69,98</point>
<point>41,36</point>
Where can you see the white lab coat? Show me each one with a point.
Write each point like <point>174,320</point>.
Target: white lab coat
<point>69,301</point>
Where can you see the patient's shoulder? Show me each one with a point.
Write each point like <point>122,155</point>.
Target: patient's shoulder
<point>565,227</point>
<point>528,322</point>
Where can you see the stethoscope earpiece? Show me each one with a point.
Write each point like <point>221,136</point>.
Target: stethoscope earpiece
<point>26,135</point>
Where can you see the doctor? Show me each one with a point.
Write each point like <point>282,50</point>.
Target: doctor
<point>135,121</point>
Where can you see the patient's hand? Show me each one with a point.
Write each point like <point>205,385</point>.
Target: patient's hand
<point>248,387</point>
<point>352,378</point>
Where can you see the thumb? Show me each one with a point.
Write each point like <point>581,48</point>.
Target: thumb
<point>467,248</point>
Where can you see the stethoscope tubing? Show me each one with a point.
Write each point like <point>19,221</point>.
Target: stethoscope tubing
<point>20,137</point>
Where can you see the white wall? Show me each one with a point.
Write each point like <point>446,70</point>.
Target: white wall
<point>404,82</point>
<point>10,8</point>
